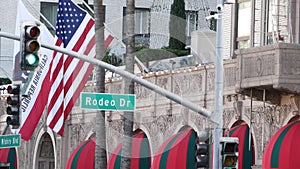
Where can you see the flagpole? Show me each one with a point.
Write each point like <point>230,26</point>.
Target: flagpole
<point>192,106</point>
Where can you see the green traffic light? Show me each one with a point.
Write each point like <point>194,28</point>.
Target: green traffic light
<point>30,46</point>
<point>32,59</point>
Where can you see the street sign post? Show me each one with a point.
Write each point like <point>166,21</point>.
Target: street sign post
<point>7,141</point>
<point>107,101</point>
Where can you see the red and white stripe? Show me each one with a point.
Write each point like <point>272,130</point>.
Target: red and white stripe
<point>36,101</point>
<point>69,75</point>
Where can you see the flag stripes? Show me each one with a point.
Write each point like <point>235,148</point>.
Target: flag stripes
<point>63,77</point>
<point>71,76</point>
<point>31,118</point>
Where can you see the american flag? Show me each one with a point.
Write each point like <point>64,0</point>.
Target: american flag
<point>74,31</point>
<point>36,88</point>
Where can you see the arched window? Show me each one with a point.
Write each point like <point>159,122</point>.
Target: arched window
<point>45,153</point>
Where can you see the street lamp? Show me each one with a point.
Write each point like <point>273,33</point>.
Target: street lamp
<point>217,115</point>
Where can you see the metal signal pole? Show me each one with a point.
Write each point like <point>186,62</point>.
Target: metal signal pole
<point>218,107</point>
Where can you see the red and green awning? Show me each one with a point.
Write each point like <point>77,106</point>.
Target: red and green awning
<point>283,149</point>
<point>246,154</point>
<point>9,155</point>
<point>83,156</point>
<point>141,155</point>
<point>178,152</point>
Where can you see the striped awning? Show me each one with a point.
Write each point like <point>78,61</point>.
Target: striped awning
<point>283,149</point>
<point>246,150</point>
<point>9,155</point>
<point>177,152</point>
<point>141,155</point>
<point>83,156</point>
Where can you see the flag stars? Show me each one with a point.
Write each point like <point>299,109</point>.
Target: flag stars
<point>69,17</point>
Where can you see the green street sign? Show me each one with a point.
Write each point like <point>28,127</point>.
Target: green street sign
<point>107,101</point>
<point>7,141</point>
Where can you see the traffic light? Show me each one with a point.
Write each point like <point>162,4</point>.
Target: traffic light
<point>13,106</point>
<point>202,157</point>
<point>202,149</point>
<point>230,152</point>
<point>30,46</point>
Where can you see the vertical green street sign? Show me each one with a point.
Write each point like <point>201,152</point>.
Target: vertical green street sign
<point>107,101</point>
<point>7,141</point>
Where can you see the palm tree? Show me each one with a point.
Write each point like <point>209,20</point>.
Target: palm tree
<point>129,84</point>
<point>100,152</point>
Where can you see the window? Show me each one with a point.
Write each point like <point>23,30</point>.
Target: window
<point>142,26</point>
<point>269,29</point>
<point>49,10</point>
<point>191,22</point>
<point>244,24</point>
<point>213,22</point>
<point>142,21</point>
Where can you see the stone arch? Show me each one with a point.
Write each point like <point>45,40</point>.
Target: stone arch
<point>294,118</point>
<point>234,122</point>
<point>91,134</point>
<point>143,129</point>
<point>245,120</point>
<point>241,122</point>
<point>185,127</point>
<point>238,122</point>
<point>139,131</point>
<point>44,151</point>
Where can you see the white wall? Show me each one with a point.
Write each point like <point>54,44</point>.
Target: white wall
<point>8,11</point>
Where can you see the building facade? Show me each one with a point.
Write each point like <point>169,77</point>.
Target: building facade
<point>261,82</point>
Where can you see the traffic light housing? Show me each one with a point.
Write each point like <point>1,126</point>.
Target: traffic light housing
<point>13,106</point>
<point>202,149</point>
<point>202,157</point>
<point>30,46</point>
<point>230,152</point>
